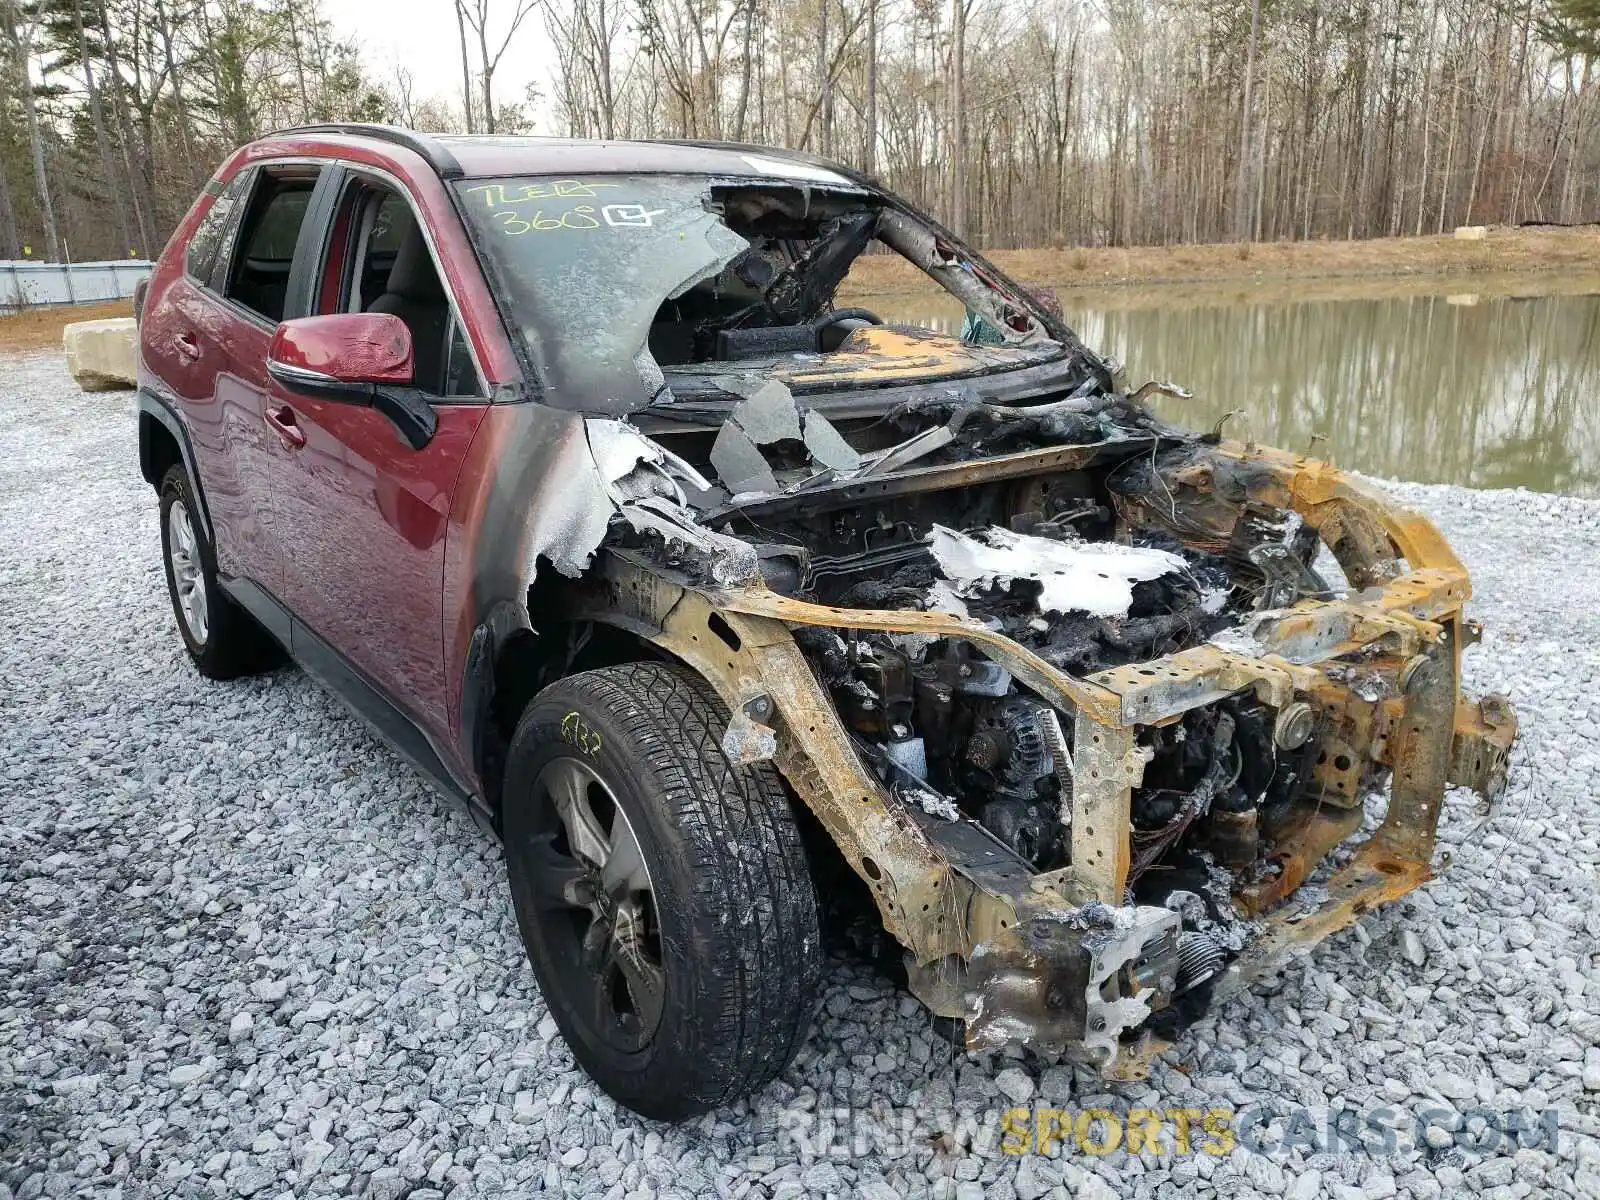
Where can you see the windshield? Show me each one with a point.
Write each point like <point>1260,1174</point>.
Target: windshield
<point>585,263</point>
<point>618,284</point>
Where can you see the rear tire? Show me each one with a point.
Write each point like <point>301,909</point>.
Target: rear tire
<point>712,989</point>
<point>223,640</point>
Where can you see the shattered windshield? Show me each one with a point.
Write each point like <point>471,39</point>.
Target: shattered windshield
<point>586,263</point>
<point>630,291</point>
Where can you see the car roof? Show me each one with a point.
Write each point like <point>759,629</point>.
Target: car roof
<point>482,155</point>
<point>487,155</point>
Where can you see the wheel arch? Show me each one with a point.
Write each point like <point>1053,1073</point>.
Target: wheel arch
<point>163,444</point>
<point>512,662</point>
<point>616,614</point>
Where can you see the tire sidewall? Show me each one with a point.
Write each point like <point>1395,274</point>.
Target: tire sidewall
<point>549,730</point>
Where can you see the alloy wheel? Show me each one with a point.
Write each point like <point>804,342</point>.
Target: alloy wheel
<point>593,893</point>
<point>188,577</point>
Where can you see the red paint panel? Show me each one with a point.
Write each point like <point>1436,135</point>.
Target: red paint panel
<point>362,519</point>
<point>381,536</point>
<point>206,360</point>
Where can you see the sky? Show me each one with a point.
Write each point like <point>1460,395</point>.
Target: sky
<point>421,36</point>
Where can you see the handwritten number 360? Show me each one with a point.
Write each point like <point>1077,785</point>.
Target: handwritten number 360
<point>581,217</point>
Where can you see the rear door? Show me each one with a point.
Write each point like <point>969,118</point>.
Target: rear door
<point>182,337</point>
<point>361,516</point>
<point>261,280</point>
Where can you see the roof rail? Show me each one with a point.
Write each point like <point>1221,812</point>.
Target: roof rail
<point>441,160</point>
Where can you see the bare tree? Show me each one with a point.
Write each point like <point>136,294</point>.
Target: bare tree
<point>466,69</point>
<point>1243,225</point>
<point>10,242</point>
<point>958,116</point>
<point>1045,122</point>
<point>18,49</point>
<point>102,142</point>
<point>476,15</point>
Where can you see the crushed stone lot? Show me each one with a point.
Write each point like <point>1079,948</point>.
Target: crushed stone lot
<point>245,951</point>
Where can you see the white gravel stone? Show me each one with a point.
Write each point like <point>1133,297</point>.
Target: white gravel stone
<point>269,991</point>
<point>240,1027</point>
<point>246,950</point>
<point>1015,1085</point>
<point>1307,1187</point>
<point>1411,946</point>
<point>187,1074</point>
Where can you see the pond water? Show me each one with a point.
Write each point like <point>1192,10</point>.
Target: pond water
<point>1479,389</point>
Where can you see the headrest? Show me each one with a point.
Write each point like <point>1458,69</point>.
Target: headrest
<point>413,275</point>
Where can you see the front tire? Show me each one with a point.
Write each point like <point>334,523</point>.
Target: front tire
<point>223,640</point>
<point>662,893</point>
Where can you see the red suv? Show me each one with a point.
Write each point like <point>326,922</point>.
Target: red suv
<point>560,462</point>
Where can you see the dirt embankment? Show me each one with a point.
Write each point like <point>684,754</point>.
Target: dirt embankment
<point>1502,251</point>
<point>33,328</point>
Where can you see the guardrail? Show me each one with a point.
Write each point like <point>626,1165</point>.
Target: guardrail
<point>24,284</point>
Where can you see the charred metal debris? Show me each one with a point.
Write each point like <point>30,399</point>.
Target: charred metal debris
<point>1081,697</point>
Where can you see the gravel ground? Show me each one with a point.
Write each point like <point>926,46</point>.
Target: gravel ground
<point>245,951</point>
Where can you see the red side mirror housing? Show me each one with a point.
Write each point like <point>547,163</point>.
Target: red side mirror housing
<point>354,358</point>
<point>369,348</point>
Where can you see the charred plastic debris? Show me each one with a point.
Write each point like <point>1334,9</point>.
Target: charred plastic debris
<point>1067,686</point>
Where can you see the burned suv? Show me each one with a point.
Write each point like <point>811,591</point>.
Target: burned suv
<point>562,464</point>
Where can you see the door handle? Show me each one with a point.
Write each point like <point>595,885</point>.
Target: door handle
<point>186,346</point>
<point>282,420</point>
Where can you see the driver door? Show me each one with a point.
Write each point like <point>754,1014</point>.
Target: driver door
<point>361,515</point>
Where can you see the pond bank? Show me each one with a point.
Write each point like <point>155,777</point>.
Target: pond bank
<point>1439,263</point>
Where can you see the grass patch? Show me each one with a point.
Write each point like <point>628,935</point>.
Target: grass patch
<point>39,328</point>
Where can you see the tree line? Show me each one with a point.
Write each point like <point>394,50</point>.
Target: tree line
<point>1019,122</point>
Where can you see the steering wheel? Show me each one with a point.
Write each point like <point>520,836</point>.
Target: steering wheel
<point>832,328</point>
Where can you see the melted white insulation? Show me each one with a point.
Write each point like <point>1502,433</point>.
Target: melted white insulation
<point>1091,577</point>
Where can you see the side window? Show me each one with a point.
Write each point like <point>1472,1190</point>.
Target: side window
<point>258,277</point>
<point>460,376</point>
<point>201,255</point>
<point>379,261</point>
<point>390,219</point>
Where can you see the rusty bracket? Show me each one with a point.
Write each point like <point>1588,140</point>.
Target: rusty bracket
<point>1480,755</point>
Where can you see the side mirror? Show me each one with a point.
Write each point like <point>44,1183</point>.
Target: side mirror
<point>354,358</point>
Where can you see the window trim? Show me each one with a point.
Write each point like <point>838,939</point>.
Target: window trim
<point>360,249</point>
<point>357,171</point>
<point>219,265</point>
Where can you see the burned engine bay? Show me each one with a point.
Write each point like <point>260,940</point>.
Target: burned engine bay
<point>1056,563</point>
<point>1041,562</point>
<point>1082,698</point>
<point>1068,687</point>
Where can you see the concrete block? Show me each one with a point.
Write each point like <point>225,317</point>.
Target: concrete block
<point>100,354</point>
<point>1471,233</point>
